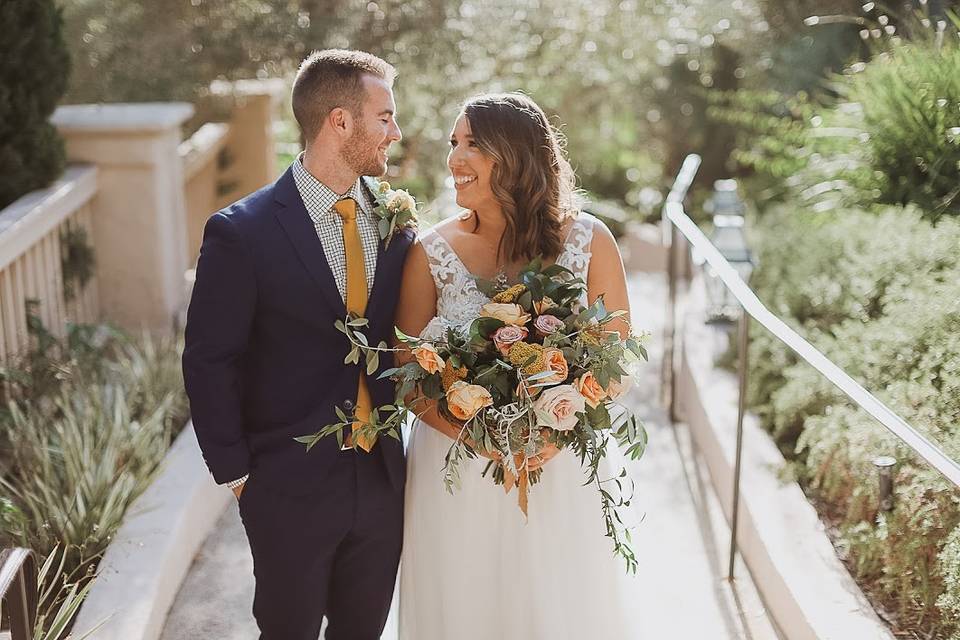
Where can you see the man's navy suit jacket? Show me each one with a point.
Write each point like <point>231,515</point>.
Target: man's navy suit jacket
<point>263,362</point>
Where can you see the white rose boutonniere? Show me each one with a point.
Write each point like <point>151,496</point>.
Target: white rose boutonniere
<point>395,209</point>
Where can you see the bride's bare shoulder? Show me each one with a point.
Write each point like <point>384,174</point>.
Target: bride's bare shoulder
<point>450,225</point>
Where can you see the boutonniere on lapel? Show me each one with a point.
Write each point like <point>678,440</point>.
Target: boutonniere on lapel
<point>395,209</point>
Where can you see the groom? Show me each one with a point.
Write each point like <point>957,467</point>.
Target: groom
<point>263,362</point>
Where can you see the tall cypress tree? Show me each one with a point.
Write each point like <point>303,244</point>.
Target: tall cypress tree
<point>34,65</point>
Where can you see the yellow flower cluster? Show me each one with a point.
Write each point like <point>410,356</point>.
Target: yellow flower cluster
<point>509,295</point>
<point>450,375</point>
<point>520,352</point>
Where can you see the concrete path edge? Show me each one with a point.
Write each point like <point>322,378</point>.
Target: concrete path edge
<point>143,567</point>
<point>806,588</point>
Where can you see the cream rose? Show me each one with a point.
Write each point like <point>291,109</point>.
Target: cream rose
<point>553,360</point>
<point>465,400</point>
<point>401,201</point>
<point>590,389</point>
<point>505,336</point>
<point>428,358</point>
<point>508,313</point>
<point>557,407</point>
<point>616,388</point>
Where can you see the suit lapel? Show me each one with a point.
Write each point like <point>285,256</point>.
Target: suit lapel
<point>389,261</point>
<point>296,222</point>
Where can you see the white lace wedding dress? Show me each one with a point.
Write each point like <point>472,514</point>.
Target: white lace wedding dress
<point>473,568</point>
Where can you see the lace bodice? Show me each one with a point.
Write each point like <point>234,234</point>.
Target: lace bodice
<point>458,298</point>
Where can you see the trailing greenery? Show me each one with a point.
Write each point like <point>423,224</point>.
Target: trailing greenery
<point>879,294</point>
<point>87,422</point>
<point>34,66</point>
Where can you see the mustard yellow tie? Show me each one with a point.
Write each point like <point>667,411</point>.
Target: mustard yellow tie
<point>356,302</point>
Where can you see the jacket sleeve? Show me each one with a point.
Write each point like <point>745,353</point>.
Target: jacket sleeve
<point>219,322</point>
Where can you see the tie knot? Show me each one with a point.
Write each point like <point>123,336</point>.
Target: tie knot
<point>347,208</point>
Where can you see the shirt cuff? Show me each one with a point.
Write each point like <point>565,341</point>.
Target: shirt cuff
<point>233,484</point>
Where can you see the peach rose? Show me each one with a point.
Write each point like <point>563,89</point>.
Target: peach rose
<point>557,407</point>
<point>617,388</point>
<point>590,389</point>
<point>553,360</point>
<point>508,313</point>
<point>465,400</point>
<point>505,336</point>
<point>428,358</point>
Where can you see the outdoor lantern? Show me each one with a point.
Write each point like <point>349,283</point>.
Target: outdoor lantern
<point>729,238</point>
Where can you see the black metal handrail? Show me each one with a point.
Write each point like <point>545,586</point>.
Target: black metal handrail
<point>677,223</point>
<point>18,591</point>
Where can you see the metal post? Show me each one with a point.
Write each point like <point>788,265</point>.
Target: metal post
<point>743,365</point>
<point>884,465</point>
<point>18,591</point>
<point>668,375</point>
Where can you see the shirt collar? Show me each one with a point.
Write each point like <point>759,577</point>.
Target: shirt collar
<point>306,181</point>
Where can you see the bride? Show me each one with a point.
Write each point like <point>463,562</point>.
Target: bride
<point>473,567</point>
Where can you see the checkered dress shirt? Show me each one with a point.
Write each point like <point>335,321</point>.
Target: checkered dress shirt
<point>319,199</point>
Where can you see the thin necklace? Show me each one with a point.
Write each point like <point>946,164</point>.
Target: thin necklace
<point>500,277</point>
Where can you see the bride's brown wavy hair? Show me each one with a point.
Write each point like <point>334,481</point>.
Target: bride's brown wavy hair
<point>531,178</point>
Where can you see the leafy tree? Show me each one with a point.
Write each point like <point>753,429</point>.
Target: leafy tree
<point>34,66</point>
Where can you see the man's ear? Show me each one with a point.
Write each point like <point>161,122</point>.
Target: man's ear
<point>340,121</point>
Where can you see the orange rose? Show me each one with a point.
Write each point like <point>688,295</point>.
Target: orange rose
<point>465,400</point>
<point>428,358</point>
<point>590,389</point>
<point>553,360</point>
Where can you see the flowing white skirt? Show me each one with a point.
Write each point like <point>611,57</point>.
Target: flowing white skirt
<point>474,569</point>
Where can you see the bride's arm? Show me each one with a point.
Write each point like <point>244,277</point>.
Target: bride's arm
<point>416,308</point>
<point>607,277</point>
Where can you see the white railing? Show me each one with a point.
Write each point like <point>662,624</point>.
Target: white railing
<point>33,231</point>
<point>683,235</point>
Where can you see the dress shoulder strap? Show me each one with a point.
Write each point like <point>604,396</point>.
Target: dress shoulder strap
<point>441,258</point>
<point>576,249</point>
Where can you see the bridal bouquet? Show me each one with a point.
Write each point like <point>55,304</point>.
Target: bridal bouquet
<point>532,368</point>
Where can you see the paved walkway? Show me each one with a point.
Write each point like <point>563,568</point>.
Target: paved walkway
<point>681,590</point>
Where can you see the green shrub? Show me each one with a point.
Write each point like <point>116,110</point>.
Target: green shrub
<point>889,132</point>
<point>910,101</point>
<point>819,271</point>
<point>86,427</point>
<point>879,294</point>
<point>34,66</point>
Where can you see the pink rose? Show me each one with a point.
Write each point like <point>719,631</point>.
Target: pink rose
<point>506,335</point>
<point>547,324</point>
<point>557,407</point>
